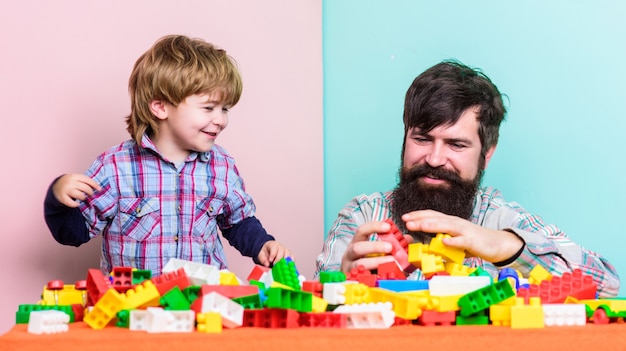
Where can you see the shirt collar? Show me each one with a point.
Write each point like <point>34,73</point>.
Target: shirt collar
<point>147,143</point>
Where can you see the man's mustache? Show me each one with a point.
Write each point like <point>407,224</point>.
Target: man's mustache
<point>424,170</point>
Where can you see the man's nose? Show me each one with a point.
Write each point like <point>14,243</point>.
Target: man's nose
<point>436,157</point>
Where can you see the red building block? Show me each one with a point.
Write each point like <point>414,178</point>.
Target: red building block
<point>324,319</point>
<point>390,271</point>
<point>556,290</point>
<point>168,281</point>
<point>432,318</point>
<point>313,286</point>
<point>362,275</point>
<point>230,291</point>
<point>97,286</point>
<point>257,272</point>
<point>271,318</point>
<point>399,249</point>
<point>122,278</point>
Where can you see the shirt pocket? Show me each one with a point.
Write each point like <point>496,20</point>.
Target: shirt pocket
<point>205,219</point>
<point>140,218</point>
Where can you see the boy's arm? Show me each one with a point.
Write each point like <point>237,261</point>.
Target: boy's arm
<point>248,237</point>
<point>66,224</point>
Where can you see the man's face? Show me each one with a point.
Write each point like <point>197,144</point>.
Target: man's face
<point>442,169</point>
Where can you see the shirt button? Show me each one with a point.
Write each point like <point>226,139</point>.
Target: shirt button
<point>180,207</point>
<point>211,209</point>
<point>176,238</point>
<point>138,209</point>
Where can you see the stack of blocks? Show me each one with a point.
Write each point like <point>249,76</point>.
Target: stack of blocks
<point>189,296</point>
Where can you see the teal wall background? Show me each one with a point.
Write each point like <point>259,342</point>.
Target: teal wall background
<point>562,64</point>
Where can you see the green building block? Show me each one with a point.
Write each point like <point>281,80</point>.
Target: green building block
<point>123,319</point>
<point>191,293</point>
<point>480,318</point>
<point>285,272</point>
<point>141,275</point>
<point>174,300</point>
<point>484,297</point>
<point>332,277</point>
<point>249,302</point>
<point>301,301</point>
<point>22,316</point>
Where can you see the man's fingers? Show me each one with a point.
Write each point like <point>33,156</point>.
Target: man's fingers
<point>365,230</point>
<point>364,248</point>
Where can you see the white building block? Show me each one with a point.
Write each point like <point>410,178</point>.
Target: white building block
<point>139,320</point>
<point>48,322</point>
<point>368,315</point>
<point>198,273</point>
<point>335,293</point>
<point>449,285</point>
<point>561,315</point>
<point>158,320</point>
<point>231,312</point>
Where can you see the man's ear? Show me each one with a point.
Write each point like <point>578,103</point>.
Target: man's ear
<point>488,155</point>
<point>158,109</point>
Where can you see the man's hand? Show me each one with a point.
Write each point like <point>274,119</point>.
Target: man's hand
<point>369,254</point>
<point>488,244</point>
<point>71,188</point>
<point>272,252</point>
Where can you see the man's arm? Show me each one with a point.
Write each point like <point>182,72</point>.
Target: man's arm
<point>66,224</point>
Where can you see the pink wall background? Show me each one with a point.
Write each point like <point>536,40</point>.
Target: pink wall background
<point>64,68</point>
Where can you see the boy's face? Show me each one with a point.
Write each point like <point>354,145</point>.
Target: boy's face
<point>191,126</point>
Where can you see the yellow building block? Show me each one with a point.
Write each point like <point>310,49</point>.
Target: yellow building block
<point>527,316</point>
<point>415,252</point>
<point>105,309</point>
<point>228,278</point>
<point>452,254</point>
<point>457,269</point>
<point>538,274</point>
<point>67,296</point>
<point>447,303</point>
<point>357,293</point>
<point>144,294</point>
<point>405,306</point>
<point>209,322</point>
<point>319,304</point>
<point>432,264</point>
<point>500,315</point>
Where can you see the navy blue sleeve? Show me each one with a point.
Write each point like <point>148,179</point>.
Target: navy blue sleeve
<point>248,237</point>
<point>66,224</point>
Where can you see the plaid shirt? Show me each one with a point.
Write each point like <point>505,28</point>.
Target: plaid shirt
<point>150,210</point>
<point>546,245</point>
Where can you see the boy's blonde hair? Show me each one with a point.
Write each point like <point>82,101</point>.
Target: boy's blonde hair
<point>174,68</point>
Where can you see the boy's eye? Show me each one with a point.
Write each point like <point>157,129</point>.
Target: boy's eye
<point>225,109</point>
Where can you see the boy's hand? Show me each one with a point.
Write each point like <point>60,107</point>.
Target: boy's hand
<point>271,252</point>
<point>71,188</point>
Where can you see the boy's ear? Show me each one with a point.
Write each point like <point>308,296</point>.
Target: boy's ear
<point>158,109</point>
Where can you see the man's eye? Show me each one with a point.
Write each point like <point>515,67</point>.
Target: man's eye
<point>225,109</point>
<point>209,108</point>
<point>457,146</point>
<point>420,139</point>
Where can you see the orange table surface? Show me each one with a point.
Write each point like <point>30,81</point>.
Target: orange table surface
<point>397,338</point>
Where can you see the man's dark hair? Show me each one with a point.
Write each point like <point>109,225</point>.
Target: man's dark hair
<point>443,92</point>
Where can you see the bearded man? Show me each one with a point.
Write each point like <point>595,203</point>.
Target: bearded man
<point>452,117</point>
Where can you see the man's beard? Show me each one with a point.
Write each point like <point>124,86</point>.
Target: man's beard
<point>456,198</point>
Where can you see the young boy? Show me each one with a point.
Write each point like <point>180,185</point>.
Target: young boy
<point>164,193</point>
